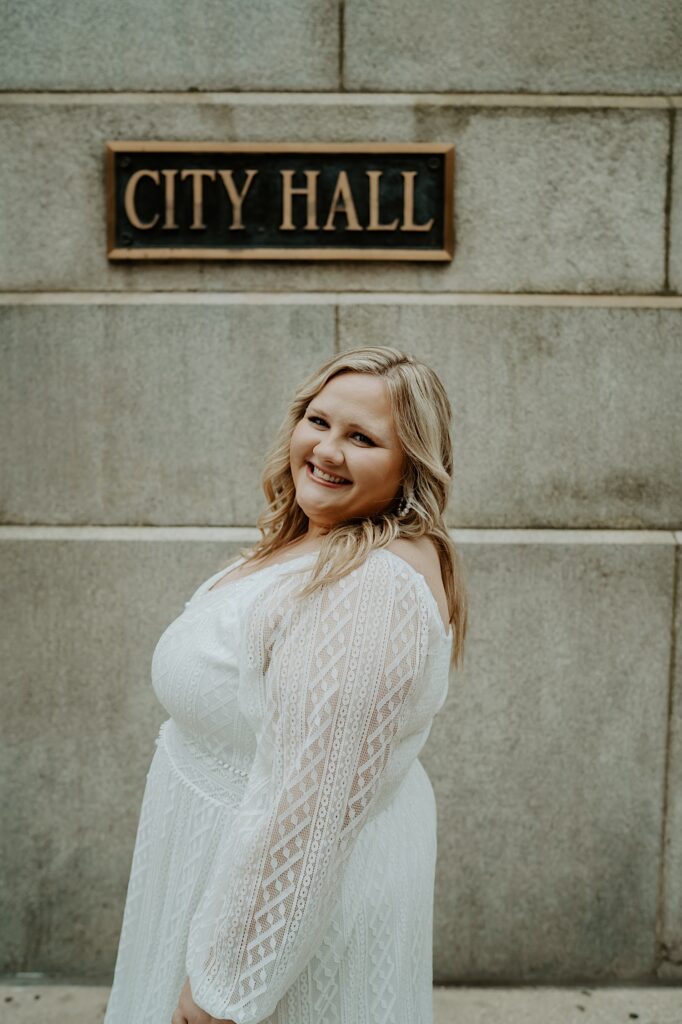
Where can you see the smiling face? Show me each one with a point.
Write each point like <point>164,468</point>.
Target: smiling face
<point>347,432</point>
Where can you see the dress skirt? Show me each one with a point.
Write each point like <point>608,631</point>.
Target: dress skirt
<point>375,965</point>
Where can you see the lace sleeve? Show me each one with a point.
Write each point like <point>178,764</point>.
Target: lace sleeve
<point>330,685</point>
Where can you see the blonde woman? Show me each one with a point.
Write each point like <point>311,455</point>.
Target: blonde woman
<point>285,856</point>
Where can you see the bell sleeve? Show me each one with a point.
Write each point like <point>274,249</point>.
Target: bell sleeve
<point>326,683</point>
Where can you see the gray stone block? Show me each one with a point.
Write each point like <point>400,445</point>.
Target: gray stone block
<point>81,620</point>
<point>546,199</point>
<point>614,46</point>
<point>671,926</point>
<point>675,239</point>
<point>547,759</point>
<point>33,1003</point>
<point>145,414</point>
<point>562,417</point>
<point>213,44</point>
<point>547,762</point>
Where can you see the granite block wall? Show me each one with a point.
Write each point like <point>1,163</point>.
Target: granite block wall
<point>136,403</point>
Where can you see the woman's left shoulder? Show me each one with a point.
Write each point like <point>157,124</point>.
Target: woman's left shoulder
<point>422,555</point>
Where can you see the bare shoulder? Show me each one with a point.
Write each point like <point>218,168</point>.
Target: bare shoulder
<point>421,553</point>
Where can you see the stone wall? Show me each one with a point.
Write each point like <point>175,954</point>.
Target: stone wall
<point>137,402</point>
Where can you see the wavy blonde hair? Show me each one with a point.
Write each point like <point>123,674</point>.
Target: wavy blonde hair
<point>422,415</point>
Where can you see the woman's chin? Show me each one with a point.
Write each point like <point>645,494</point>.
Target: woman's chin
<point>322,507</point>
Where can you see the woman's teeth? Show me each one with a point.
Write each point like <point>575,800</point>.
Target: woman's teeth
<point>327,476</point>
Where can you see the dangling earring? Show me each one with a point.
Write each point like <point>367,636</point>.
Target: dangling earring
<point>404,506</point>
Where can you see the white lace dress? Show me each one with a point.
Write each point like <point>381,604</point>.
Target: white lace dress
<point>286,846</point>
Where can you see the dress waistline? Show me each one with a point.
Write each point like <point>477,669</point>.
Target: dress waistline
<point>215,780</point>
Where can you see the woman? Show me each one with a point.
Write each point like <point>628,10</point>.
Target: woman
<point>285,856</point>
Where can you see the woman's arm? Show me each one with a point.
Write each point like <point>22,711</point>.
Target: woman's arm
<point>332,684</point>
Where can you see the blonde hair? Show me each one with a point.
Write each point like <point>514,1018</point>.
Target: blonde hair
<point>422,414</point>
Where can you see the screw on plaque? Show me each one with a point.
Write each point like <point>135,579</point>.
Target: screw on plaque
<point>124,161</point>
<point>126,238</point>
<point>433,163</point>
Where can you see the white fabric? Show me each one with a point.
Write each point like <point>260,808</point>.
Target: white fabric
<point>286,846</point>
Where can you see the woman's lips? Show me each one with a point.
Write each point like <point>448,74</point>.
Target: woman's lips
<point>319,480</point>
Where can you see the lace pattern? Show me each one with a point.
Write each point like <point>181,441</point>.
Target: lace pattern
<point>331,687</point>
<point>215,780</point>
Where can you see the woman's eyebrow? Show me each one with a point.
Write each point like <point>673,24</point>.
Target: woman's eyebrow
<point>355,426</point>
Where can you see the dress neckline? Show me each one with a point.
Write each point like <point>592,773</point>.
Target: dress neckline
<point>216,584</point>
<point>216,578</point>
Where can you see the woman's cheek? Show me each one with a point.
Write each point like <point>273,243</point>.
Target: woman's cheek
<point>298,443</point>
<point>305,438</point>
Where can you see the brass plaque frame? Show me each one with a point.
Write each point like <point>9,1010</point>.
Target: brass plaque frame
<point>443,254</point>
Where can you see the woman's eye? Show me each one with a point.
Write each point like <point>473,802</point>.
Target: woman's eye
<point>364,438</point>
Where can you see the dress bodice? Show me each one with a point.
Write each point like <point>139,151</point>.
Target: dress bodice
<point>195,665</point>
<point>195,668</point>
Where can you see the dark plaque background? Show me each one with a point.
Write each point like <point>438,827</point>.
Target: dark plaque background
<point>262,208</point>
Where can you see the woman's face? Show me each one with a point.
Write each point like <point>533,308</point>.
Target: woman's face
<point>347,432</point>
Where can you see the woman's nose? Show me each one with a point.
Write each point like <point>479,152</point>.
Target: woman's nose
<point>328,450</point>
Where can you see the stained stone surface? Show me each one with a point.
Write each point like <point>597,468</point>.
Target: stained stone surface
<point>146,414</point>
<point>562,417</point>
<point>548,762</point>
<point>614,46</point>
<point>174,45</point>
<point>675,240</point>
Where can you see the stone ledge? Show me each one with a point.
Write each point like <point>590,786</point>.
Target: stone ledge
<point>246,534</point>
<point>187,298</point>
<point>579,101</point>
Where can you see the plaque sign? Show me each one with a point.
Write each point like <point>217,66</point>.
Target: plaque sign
<point>280,201</point>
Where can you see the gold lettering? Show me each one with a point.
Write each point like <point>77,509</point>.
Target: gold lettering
<point>408,223</point>
<point>236,198</point>
<point>309,191</point>
<point>129,199</point>
<point>197,177</point>
<point>169,192</point>
<point>374,214</point>
<point>342,202</point>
